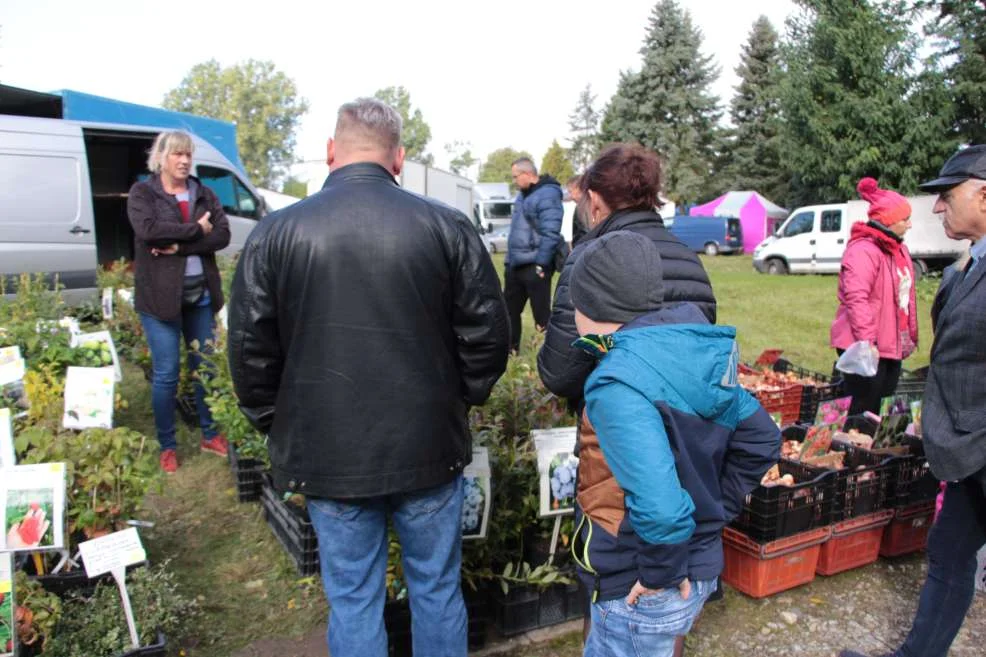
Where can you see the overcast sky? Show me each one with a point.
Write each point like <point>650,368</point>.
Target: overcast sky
<point>495,74</point>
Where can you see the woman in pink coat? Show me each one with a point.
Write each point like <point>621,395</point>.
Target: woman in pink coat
<point>876,295</point>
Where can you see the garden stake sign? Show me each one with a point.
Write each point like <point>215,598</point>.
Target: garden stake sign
<point>476,495</point>
<point>112,554</point>
<point>7,458</point>
<point>556,470</point>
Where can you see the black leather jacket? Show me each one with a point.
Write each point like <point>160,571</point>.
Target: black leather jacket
<point>564,368</point>
<point>363,321</point>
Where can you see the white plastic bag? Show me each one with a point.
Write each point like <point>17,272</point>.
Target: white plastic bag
<point>860,358</point>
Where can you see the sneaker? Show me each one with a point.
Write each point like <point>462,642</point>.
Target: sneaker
<point>217,445</point>
<point>169,461</point>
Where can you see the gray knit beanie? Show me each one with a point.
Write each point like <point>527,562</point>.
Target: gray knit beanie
<point>618,278</point>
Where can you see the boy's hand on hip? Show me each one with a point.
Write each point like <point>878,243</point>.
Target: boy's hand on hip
<point>684,588</point>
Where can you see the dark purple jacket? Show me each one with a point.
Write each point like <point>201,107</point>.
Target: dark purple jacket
<point>157,222</point>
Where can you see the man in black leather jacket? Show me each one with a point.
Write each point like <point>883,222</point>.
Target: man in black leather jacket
<point>364,321</point>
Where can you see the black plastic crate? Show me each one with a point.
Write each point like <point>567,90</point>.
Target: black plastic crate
<point>576,600</point>
<point>831,387</point>
<point>73,582</point>
<point>397,621</point>
<point>292,528</point>
<point>517,610</point>
<point>912,383</point>
<point>248,474</point>
<point>187,409</point>
<point>773,512</point>
<point>910,480</point>
<point>478,613</point>
<point>552,607</point>
<point>159,649</point>
<point>863,485</point>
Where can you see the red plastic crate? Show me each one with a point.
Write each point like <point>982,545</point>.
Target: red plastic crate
<point>762,569</point>
<point>854,543</point>
<point>908,531</point>
<point>786,401</point>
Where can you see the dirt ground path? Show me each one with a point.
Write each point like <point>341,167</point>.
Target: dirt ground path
<point>868,609</point>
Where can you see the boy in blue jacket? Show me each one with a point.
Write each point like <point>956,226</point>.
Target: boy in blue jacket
<point>670,446</point>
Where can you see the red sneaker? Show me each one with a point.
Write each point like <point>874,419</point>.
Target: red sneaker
<point>217,445</point>
<point>169,461</point>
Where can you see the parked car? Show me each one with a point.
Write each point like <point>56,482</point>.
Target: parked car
<point>709,235</point>
<point>496,242</point>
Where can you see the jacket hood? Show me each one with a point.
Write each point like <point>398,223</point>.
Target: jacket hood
<point>695,361</point>
<point>543,181</point>
<point>877,233</point>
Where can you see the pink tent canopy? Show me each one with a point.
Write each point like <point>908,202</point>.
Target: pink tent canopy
<point>758,216</point>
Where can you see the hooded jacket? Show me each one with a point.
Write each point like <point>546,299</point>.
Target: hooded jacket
<point>535,227</point>
<point>563,367</point>
<point>671,446</point>
<point>870,289</point>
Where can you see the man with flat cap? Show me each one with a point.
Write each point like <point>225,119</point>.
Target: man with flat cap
<point>954,414</point>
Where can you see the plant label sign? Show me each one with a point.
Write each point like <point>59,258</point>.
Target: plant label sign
<point>7,457</point>
<point>557,466</point>
<point>117,550</point>
<point>476,495</point>
<point>33,507</point>
<point>107,303</point>
<point>102,349</point>
<point>112,554</point>
<point>88,398</point>
<point>7,633</point>
<point>11,365</point>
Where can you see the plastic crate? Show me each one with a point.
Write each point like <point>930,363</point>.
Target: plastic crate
<point>785,401</point>
<point>552,606</point>
<point>478,613</point>
<point>829,388</point>
<point>773,512</point>
<point>517,610</point>
<point>863,486</point>
<point>762,569</point>
<point>854,543</point>
<point>159,649</point>
<point>908,531</point>
<point>248,474</point>
<point>912,383</point>
<point>187,409</point>
<point>292,528</point>
<point>576,600</point>
<point>910,480</point>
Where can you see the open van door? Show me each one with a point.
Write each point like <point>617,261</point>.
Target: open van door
<point>242,206</point>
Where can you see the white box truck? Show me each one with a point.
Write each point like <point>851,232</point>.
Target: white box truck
<point>493,205</point>
<point>813,238</point>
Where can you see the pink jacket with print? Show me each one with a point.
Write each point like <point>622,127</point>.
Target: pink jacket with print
<point>868,301</point>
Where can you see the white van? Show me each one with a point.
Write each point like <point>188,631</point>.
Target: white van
<point>63,196</point>
<point>813,239</point>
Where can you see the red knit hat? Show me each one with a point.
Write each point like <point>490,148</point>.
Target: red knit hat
<point>886,206</point>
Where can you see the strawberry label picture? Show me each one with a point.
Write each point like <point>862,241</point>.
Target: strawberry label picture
<point>33,498</point>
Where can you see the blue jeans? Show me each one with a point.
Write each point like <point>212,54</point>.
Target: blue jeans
<point>949,589</point>
<point>648,628</point>
<point>196,323</point>
<point>352,544</point>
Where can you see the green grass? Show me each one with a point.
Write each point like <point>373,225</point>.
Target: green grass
<point>792,313</point>
<point>225,555</point>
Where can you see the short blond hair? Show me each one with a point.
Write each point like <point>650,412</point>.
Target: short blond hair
<point>174,141</point>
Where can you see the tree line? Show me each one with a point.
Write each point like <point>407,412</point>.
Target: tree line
<point>849,89</point>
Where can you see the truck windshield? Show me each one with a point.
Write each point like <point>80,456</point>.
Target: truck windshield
<point>499,210</point>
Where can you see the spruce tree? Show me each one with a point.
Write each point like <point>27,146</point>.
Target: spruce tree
<point>668,106</point>
<point>583,123</point>
<point>754,157</point>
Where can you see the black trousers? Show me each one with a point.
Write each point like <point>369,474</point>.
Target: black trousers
<point>520,284</point>
<point>867,391</point>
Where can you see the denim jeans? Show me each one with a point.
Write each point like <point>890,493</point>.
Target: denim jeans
<point>196,323</point>
<point>648,628</point>
<point>949,589</point>
<point>352,542</point>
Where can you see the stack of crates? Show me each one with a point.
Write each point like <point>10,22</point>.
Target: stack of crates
<point>828,388</point>
<point>774,544</point>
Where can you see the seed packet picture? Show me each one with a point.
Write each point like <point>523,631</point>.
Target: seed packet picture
<point>28,518</point>
<point>6,606</point>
